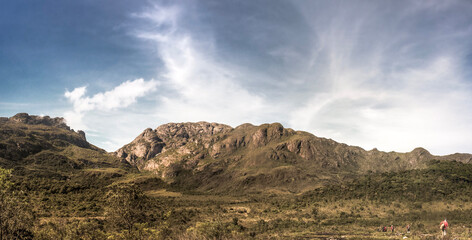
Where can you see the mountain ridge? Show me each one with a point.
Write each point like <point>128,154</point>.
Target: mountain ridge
<point>212,153</point>
<point>203,156</point>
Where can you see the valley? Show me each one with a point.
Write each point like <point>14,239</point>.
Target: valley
<point>211,181</point>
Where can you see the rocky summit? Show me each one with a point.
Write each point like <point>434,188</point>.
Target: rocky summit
<point>169,136</point>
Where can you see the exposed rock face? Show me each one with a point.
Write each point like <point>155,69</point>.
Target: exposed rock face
<point>58,122</point>
<point>35,120</point>
<point>208,155</point>
<point>460,157</point>
<point>179,134</point>
<point>176,136</point>
<point>82,134</point>
<point>144,147</point>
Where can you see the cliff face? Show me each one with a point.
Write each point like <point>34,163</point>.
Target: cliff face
<point>39,120</point>
<point>176,137</point>
<point>217,156</point>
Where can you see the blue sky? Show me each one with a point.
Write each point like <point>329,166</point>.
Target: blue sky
<point>392,75</point>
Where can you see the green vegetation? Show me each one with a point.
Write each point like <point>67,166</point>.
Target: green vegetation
<point>441,180</point>
<point>119,209</point>
<point>58,186</point>
<point>16,216</point>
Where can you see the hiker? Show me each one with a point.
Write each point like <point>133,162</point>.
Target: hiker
<point>392,228</point>
<point>384,229</point>
<point>443,226</point>
<point>408,228</point>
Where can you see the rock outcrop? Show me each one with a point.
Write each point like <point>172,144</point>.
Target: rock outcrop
<point>180,137</point>
<point>36,120</point>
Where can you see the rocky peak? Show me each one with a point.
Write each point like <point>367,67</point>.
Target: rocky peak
<point>419,155</point>
<point>420,152</point>
<point>191,130</point>
<point>143,147</point>
<point>36,120</point>
<point>58,122</point>
<point>269,132</point>
<point>149,135</point>
<point>150,142</point>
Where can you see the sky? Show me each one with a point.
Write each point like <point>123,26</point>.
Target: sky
<point>392,75</point>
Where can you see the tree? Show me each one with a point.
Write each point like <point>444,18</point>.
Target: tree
<point>5,182</point>
<point>126,207</point>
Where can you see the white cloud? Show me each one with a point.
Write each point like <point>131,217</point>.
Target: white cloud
<point>119,97</point>
<point>425,111</point>
<point>389,86</point>
<point>371,76</point>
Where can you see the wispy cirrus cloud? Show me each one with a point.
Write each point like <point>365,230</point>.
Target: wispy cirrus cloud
<point>390,79</point>
<point>201,85</point>
<point>392,75</point>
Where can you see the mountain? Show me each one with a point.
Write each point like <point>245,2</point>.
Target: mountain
<point>26,139</point>
<point>44,147</point>
<point>198,156</point>
<point>63,174</point>
<point>217,157</point>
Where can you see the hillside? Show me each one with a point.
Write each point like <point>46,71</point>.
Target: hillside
<point>56,164</point>
<point>439,180</point>
<point>217,157</point>
<point>39,143</point>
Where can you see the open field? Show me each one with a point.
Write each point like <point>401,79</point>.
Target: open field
<point>285,217</point>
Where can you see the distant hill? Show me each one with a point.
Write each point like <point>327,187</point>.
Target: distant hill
<point>42,142</point>
<point>217,157</point>
<point>37,147</point>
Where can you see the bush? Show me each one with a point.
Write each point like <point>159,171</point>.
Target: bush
<point>314,212</point>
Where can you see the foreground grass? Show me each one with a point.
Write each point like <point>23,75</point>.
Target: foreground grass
<point>186,216</point>
<point>72,204</point>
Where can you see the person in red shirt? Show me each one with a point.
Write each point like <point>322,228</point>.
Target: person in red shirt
<point>444,225</point>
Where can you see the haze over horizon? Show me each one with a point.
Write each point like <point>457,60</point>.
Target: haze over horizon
<point>392,75</point>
